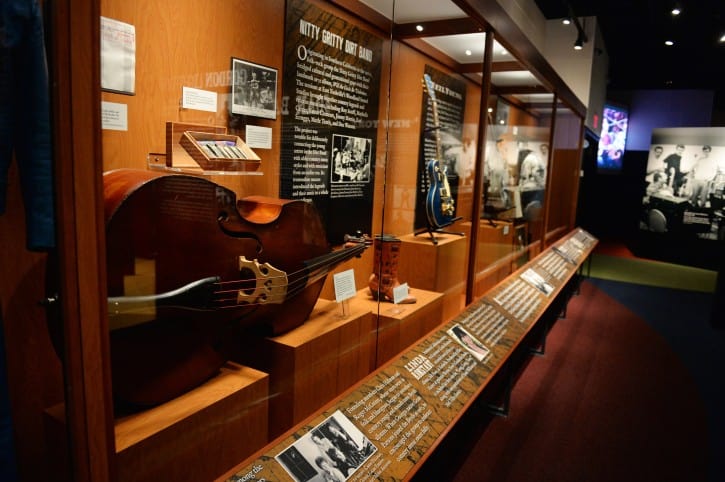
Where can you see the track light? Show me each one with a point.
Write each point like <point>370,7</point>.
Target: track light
<point>581,39</point>
<point>581,36</point>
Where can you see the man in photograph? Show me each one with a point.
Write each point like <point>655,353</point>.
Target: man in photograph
<point>672,168</point>
<point>701,175</point>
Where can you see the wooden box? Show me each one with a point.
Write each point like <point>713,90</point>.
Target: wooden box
<point>199,434</point>
<point>315,362</point>
<point>399,326</point>
<point>436,267</point>
<point>196,436</point>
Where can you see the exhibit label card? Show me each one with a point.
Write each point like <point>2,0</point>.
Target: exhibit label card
<point>344,285</point>
<point>259,137</point>
<point>400,293</point>
<point>114,116</point>
<point>198,99</point>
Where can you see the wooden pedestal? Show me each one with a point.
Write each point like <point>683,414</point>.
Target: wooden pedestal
<point>436,267</point>
<point>196,436</point>
<point>315,362</point>
<point>399,326</point>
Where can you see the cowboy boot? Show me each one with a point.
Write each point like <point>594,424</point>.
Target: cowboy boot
<point>385,269</point>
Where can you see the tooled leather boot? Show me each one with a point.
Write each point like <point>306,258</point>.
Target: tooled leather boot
<point>385,269</point>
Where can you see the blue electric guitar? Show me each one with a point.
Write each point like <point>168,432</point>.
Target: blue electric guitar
<point>439,204</point>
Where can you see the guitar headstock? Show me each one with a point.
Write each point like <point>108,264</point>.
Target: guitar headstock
<point>429,87</point>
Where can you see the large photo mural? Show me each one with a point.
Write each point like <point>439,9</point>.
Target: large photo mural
<point>685,183</point>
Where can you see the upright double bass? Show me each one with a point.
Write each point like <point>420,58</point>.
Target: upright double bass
<point>189,264</point>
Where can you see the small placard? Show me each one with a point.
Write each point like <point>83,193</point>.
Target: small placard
<point>400,293</point>
<point>114,116</point>
<point>344,285</point>
<point>259,137</point>
<point>198,99</point>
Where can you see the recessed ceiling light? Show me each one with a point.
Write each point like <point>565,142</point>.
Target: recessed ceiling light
<point>669,43</point>
<point>676,11</point>
<point>419,28</point>
<point>722,38</point>
<point>566,21</point>
<point>468,52</point>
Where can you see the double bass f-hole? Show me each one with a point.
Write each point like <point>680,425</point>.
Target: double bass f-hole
<point>223,221</point>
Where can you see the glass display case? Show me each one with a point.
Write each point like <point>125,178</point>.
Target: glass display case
<point>285,198</point>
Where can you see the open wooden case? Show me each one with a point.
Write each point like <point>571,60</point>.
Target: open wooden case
<point>207,148</point>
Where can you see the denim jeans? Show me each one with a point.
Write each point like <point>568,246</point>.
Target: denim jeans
<point>25,117</point>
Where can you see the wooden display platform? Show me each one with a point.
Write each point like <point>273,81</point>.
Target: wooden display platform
<point>315,362</point>
<point>196,436</point>
<point>436,267</point>
<point>399,326</point>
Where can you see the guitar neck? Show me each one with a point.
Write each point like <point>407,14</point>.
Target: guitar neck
<point>437,130</point>
<point>430,88</point>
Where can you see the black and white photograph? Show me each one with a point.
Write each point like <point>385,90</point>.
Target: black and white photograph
<point>330,452</point>
<point>469,342</point>
<point>537,281</point>
<point>254,89</point>
<point>685,183</point>
<point>514,174</point>
<point>350,159</point>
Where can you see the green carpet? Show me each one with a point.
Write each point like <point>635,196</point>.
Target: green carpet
<point>652,273</point>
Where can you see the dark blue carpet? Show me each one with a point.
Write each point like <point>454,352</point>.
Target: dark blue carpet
<point>683,319</point>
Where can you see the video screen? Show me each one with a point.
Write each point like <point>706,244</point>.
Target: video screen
<point>613,139</point>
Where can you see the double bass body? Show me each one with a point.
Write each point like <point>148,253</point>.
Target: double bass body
<point>166,231</point>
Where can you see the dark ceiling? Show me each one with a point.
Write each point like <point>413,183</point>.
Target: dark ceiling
<point>635,31</point>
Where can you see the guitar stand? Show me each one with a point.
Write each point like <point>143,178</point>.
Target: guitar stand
<point>431,230</point>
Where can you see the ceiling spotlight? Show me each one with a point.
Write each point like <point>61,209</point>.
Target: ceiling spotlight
<point>722,39</point>
<point>566,21</point>
<point>581,36</point>
<point>669,43</point>
<point>419,28</point>
<point>676,11</point>
<point>468,52</point>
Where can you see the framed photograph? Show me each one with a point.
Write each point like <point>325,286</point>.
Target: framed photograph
<point>254,89</point>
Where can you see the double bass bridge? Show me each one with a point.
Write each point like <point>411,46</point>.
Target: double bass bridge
<point>269,283</point>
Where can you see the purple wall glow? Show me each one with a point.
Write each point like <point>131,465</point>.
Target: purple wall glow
<point>653,109</point>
